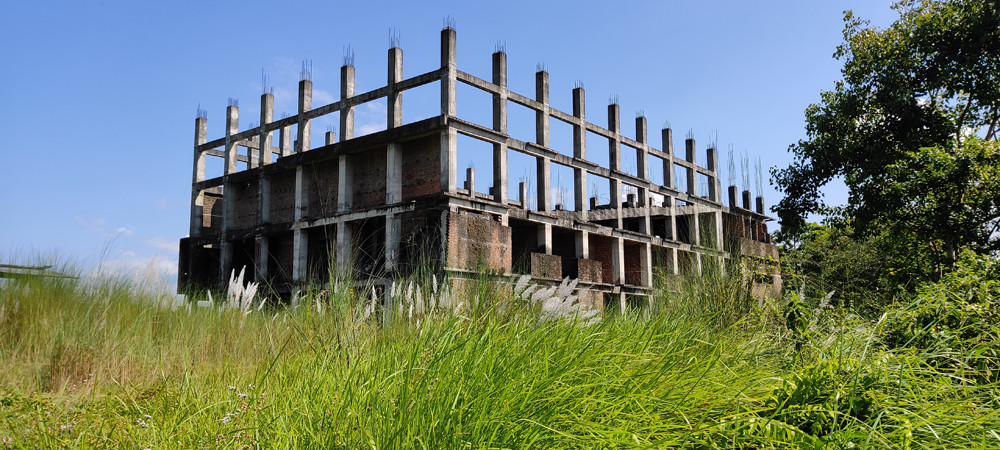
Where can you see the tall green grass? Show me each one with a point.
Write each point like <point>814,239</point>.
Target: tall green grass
<point>105,364</point>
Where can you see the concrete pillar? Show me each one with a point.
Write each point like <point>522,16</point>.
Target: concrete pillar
<point>300,260</point>
<point>198,175</point>
<point>393,173</point>
<point>470,181</point>
<point>449,161</point>
<point>614,145</point>
<point>522,194</point>
<point>225,262</point>
<point>582,244</point>
<point>746,200</point>
<point>264,139</point>
<point>303,141</point>
<point>285,141</point>
<point>580,152</point>
<point>667,135</point>
<point>718,230</point>
<point>394,153</point>
<point>617,260</point>
<point>450,71</point>
<point>345,231</point>
<point>394,114</point>
<point>545,238</point>
<point>500,125</point>
<point>346,112</point>
<point>232,127</point>
<point>261,258</point>
<point>760,204</point>
<point>264,200</point>
<point>733,202</point>
<point>689,156</point>
<point>674,265</point>
<point>646,265</point>
<point>542,117</point>
<point>713,167</point>
<point>642,168</point>
<point>544,199</point>
<point>345,183</point>
<point>392,237</point>
<point>330,138</point>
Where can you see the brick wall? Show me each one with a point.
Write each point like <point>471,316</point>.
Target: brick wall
<point>475,239</point>
<point>589,270</point>
<point>546,266</point>
<point>422,167</point>
<point>245,204</point>
<point>211,212</point>
<point>369,179</point>
<point>324,177</point>
<point>283,197</point>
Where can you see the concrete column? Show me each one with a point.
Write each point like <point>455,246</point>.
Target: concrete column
<point>470,181</point>
<point>300,261</point>
<point>545,238</point>
<point>542,117</point>
<point>760,204</point>
<point>260,258</point>
<point>345,231</point>
<point>345,183</point>
<point>264,139</point>
<point>449,160</point>
<point>264,200</point>
<point>393,151</point>
<point>642,168</point>
<point>580,152</point>
<point>733,201</point>
<point>393,173</point>
<point>646,265</point>
<point>746,200</point>
<point>689,156</point>
<point>198,175</point>
<point>522,194</point>
<point>303,141</point>
<point>617,261</point>
<point>285,141</point>
<point>582,244</point>
<point>713,167</point>
<point>614,145</point>
<point>394,113</point>
<point>346,112</point>
<point>544,183</point>
<point>718,230</point>
<point>450,71</point>
<point>668,165</point>
<point>500,125</point>
<point>674,265</point>
<point>225,262</point>
<point>232,127</point>
<point>330,138</point>
<point>392,237</point>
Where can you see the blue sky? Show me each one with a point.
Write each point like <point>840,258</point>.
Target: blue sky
<point>99,98</point>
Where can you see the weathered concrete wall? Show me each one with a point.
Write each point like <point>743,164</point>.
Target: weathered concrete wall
<point>283,197</point>
<point>369,179</point>
<point>476,241</point>
<point>323,188</point>
<point>421,167</point>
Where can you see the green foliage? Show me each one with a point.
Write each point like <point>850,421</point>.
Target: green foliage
<point>823,398</point>
<point>954,321</point>
<point>897,129</point>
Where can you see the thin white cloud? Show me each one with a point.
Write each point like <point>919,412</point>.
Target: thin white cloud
<point>161,243</point>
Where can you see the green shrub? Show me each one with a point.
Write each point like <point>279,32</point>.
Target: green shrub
<point>954,320</point>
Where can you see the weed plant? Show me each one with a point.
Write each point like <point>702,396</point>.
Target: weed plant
<point>498,365</point>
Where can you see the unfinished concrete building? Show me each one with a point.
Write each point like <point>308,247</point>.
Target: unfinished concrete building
<point>386,202</point>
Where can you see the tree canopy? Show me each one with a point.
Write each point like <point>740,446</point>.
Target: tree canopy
<point>911,129</point>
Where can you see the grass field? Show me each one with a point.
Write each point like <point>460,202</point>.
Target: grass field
<point>106,364</point>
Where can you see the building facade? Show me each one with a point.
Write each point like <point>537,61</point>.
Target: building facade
<point>383,204</point>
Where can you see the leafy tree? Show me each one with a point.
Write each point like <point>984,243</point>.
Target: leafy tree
<point>911,128</point>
